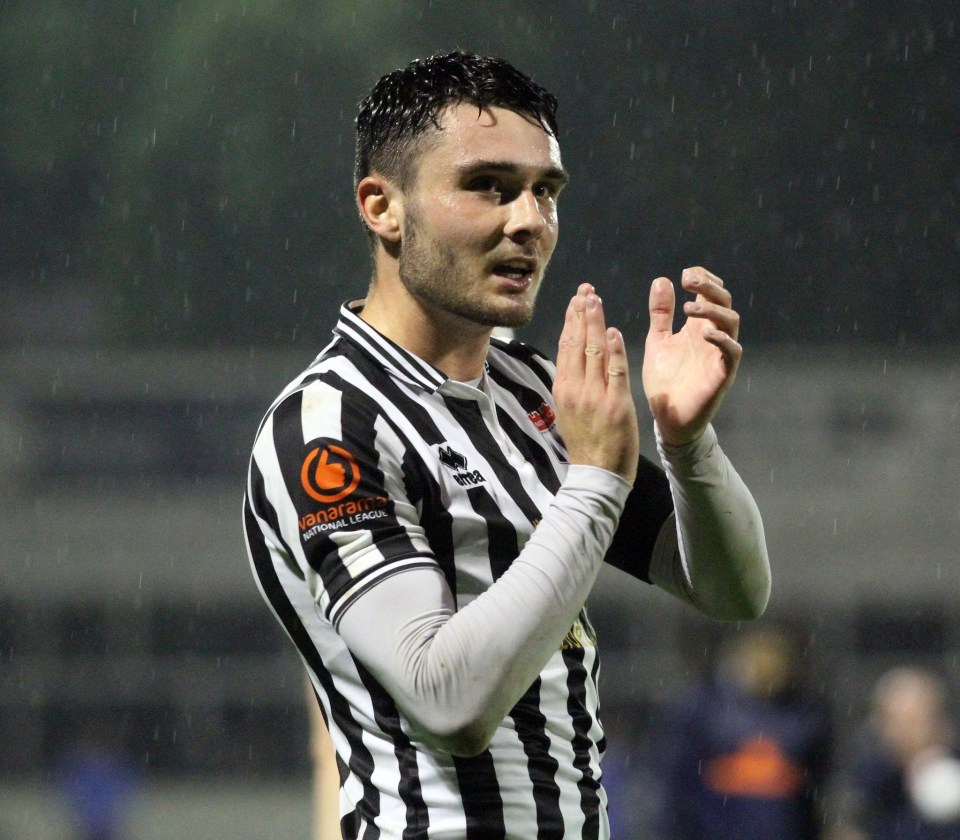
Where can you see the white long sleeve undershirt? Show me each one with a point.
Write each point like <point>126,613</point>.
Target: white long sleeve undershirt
<point>715,554</point>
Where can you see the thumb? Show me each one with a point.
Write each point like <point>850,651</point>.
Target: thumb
<point>662,302</point>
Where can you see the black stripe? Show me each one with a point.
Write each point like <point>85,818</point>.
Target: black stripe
<point>360,762</point>
<point>267,512</point>
<point>530,725</point>
<point>588,783</point>
<point>647,508</point>
<point>480,794</point>
<point>502,544</point>
<point>437,522</point>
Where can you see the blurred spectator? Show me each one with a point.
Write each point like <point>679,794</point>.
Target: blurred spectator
<point>97,782</point>
<point>746,754</point>
<point>904,782</point>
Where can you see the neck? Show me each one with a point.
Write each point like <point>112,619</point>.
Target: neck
<point>448,342</point>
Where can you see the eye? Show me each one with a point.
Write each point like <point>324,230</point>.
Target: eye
<point>547,189</point>
<point>484,183</point>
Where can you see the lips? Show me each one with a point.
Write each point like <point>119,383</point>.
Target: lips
<point>516,269</point>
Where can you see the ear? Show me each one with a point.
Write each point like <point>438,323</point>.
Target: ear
<point>381,207</point>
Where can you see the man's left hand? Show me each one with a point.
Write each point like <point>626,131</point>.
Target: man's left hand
<point>686,374</point>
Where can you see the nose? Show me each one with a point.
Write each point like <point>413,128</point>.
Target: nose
<point>526,220</point>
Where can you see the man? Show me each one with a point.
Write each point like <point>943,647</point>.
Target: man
<point>903,780</point>
<point>746,752</point>
<point>427,507</point>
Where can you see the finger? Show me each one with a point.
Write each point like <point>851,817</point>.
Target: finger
<point>729,347</point>
<point>698,274</point>
<point>707,286</point>
<point>618,368</point>
<point>662,303</point>
<point>570,361</point>
<point>721,317</point>
<point>595,348</point>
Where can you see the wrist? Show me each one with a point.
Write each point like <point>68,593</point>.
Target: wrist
<point>690,451</point>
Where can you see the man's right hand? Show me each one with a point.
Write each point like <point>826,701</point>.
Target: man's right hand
<point>595,409</point>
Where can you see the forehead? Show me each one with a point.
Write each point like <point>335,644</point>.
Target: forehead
<point>470,134</point>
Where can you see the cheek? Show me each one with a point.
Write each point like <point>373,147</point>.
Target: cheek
<point>459,226</point>
<point>552,232</point>
<point>447,212</point>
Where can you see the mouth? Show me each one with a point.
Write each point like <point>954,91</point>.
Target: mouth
<point>518,271</point>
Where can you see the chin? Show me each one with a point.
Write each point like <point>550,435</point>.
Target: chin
<point>511,317</point>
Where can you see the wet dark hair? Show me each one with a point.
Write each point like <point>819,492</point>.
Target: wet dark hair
<point>405,106</point>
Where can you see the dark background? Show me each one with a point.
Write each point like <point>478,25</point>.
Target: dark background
<point>179,173</point>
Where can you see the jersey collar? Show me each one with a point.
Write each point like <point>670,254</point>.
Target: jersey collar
<point>395,359</point>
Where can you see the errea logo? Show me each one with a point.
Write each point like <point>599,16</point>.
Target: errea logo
<point>457,464</point>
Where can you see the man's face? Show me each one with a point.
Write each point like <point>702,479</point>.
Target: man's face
<point>480,218</point>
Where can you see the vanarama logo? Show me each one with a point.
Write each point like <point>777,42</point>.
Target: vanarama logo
<point>329,475</point>
<point>360,512</point>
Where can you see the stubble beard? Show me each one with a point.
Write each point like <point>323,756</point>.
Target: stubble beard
<point>430,272</point>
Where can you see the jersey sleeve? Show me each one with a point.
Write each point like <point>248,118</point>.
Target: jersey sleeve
<point>328,480</point>
<point>648,509</point>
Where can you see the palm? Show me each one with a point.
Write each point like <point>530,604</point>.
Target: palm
<point>687,373</point>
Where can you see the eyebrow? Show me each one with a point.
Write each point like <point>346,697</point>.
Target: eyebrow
<point>554,173</point>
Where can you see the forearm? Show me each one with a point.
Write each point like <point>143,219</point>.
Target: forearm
<point>719,561</point>
<point>456,674</point>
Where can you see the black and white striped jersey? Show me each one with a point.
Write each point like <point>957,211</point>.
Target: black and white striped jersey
<point>372,463</point>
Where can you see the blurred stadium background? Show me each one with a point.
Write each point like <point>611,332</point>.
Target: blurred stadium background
<point>178,231</point>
